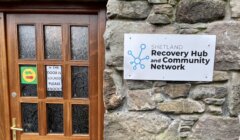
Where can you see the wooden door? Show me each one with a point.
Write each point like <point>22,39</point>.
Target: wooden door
<point>53,75</point>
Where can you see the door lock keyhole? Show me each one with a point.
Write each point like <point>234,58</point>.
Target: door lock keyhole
<point>14,94</point>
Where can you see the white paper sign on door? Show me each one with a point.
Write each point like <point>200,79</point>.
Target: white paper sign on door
<point>54,78</point>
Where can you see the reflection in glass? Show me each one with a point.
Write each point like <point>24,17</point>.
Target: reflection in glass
<point>30,117</point>
<point>53,42</point>
<point>54,93</point>
<point>27,41</point>
<point>79,82</point>
<point>79,43</point>
<point>55,118</point>
<point>28,90</point>
<point>80,119</point>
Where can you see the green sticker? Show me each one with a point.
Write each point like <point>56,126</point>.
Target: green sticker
<point>28,75</point>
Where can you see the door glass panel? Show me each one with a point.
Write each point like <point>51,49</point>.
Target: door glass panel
<point>28,80</point>
<point>29,117</point>
<point>80,119</point>
<point>79,43</point>
<point>55,118</point>
<point>53,42</point>
<point>79,82</point>
<point>27,41</point>
<point>29,90</point>
<point>54,81</point>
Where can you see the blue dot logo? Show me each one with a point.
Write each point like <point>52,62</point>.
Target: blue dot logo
<point>137,60</point>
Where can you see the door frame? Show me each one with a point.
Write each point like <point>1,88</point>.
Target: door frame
<point>50,8</point>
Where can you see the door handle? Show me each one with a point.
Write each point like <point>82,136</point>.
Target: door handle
<point>15,129</point>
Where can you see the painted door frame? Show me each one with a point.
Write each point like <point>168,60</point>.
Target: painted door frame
<point>50,8</point>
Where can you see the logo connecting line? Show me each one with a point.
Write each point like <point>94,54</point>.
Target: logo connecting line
<point>138,60</point>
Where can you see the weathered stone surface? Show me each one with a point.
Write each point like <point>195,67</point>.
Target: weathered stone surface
<point>158,19</point>
<point>187,123</point>
<point>214,101</point>
<point>181,106</point>
<point>216,128</point>
<point>172,2</point>
<point>228,49</point>
<point>235,6</point>
<point>188,31</point>
<point>234,95</point>
<point>163,9</point>
<point>184,134</point>
<point>134,84</point>
<point>140,100</point>
<point>114,37</point>
<point>158,98</point>
<point>191,28</point>
<point>128,9</point>
<point>203,92</point>
<point>184,128</point>
<point>199,26</point>
<point>176,90</point>
<point>119,69</point>
<point>132,125</point>
<point>160,14</point>
<point>171,133</point>
<point>215,110</point>
<point>112,100</point>
<point>157,1</point>
<point>141,124</point>
<point>189,117</point>
<point>219,76</point>
<point>159,84</point>
<point>193,11</point>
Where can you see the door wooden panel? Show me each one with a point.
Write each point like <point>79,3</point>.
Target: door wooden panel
<point>37,42</point>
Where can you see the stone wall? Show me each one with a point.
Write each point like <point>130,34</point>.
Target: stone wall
<point>168,110</point>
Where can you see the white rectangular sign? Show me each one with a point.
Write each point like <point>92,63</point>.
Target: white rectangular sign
<point>54,78</point>
<point>169,57</point>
